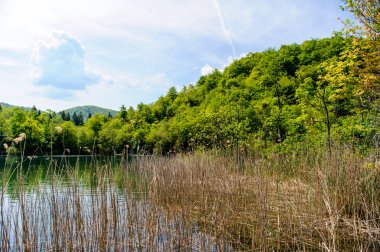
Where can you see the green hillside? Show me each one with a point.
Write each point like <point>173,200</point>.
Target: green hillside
<point>90,110</point>
<point>6,105</point>
<point>309,94</point>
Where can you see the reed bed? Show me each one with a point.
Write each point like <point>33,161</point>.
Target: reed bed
<point>103,209</point>
<point>205,201</point>
<point>329,202</point>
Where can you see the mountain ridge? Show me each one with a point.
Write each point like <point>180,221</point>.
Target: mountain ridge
<point>86,110</point>
<point>7,105</point>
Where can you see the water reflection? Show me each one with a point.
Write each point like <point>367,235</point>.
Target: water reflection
<point>88,204</point>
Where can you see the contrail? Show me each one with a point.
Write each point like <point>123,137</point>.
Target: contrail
<point>226,32</point>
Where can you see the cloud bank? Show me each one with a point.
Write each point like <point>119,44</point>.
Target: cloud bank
<point>60,63</point>
<point>140,47</point>
<point>206,69</point>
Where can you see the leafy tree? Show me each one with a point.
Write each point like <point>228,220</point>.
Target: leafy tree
<point>159,138</point>
<point>367,13</point>
<point>23,122</point>
<point>172,93</point>
<point>3,129</point>
<point>66,141</point>
<point>108,136</point>
<point>16,121</point>
<point>95,124</point>
<point>34,112</point>
<point>365,48</point>
<point>320,89</point>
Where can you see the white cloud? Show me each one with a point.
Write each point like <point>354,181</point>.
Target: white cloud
<point>206,69</point>
<point>8,62</point>
<point>140,47</point>
<point>110,92</point>
<point>124,89</point>
<point>60,64</point>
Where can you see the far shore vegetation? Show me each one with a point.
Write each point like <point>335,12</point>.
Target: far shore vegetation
<point>279,151</point>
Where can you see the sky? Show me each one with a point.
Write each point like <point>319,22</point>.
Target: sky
<point>57,54</point>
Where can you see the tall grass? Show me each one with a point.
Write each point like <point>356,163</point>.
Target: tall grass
<point>202,202</point>
<point>102,209</point>
<point>327,202</point>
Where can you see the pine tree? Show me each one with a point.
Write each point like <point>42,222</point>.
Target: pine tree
<point>75,119</point>
<point>123,113</point>
<point>67,117</point>
<point>80,118</point>
<point>63,115</point>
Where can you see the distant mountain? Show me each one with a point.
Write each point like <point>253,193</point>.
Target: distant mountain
<point>89,109</point>
<point>86,110</point>
<point>6,105</point>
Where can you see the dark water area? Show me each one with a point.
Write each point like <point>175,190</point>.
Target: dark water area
<point>59,161</point>
<point>52,202</point>
<point>36,170</point>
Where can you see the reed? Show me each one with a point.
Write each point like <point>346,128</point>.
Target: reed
<point>206,201</point>
<point>293,202</point>
<point>90,210</point>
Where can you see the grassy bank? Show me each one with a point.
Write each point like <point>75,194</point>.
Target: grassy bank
<point>205,201</point>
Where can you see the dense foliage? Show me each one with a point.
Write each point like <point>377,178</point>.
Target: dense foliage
<point>321,92</point>
<point>85,112</point>
<point>308,93</point>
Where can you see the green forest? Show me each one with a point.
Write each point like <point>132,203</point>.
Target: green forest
<point>278,151</point>
<point>322,93</point>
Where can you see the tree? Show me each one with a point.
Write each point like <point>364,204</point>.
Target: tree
<point>108,136</point>
<point>3,129</point>
<point>63,115</point>
<point>365,48</point>
<point>75,119</point>
<point>367,13</point>
<point>95,124</point>
<point>23,122</point>
<point>80,118</point>
<point>65,138</point>
<point>67,117</point>
<point>172,93</point>
<point>313,93</point>
<point>123,113</point>
<point>34,111</point>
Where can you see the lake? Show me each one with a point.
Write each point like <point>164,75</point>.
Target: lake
<point>89,204</point>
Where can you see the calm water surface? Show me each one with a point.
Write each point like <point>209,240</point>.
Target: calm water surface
<point>51,202</point>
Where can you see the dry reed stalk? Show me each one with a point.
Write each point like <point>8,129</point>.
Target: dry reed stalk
<point>204,202</point>
<point>262,207</point>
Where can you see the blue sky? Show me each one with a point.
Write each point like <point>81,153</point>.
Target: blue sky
<point>64,53</point>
